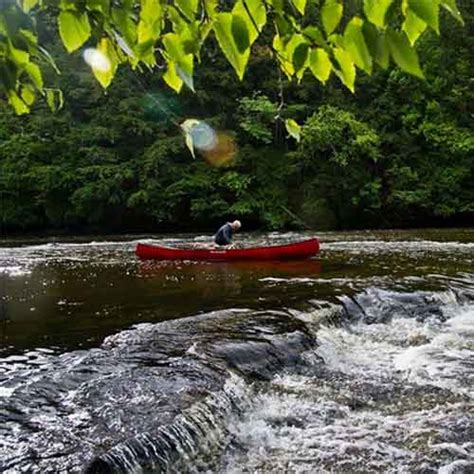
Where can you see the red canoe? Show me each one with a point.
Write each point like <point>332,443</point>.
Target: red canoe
<point>297,251</point>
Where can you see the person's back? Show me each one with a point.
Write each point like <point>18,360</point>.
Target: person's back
<point>224,235</point>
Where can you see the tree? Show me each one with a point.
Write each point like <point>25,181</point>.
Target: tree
<point>256,115</point>
<point>320,36</point>
<point>338,157</point>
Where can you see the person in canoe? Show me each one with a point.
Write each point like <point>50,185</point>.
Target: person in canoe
<point>223,236</point>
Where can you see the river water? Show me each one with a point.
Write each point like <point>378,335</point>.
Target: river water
<point>358,361</point>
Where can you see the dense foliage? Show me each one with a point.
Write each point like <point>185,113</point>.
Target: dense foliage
<point>397,152</point>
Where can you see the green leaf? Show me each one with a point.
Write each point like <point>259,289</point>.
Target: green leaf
<point>403,53</point>
<point>314,33</point>
<point>223,31</point>
<point>70,5</point>
<point>101,6</point>
<point>18,56</point>
<point>210,7</point>
<point>31,39</point>
<point>240,33</point>
<point>376,10</point>
<point>177,19</point>
<point>172,43</point>
<point>278,5</point>
<point>35,74</point>
<point>293,129</point>
<point>413,26</point>
<point>452,8</point>
<point>354,43</point>
<point>347,73</point>
<point>105,67</point>
<point>286,63</point>
<point>17,103</point>
<point>300,5</point>
<point>149,26</point>
<point>191,39</point>
<point>74,29</point>
<point>283,26</point>
<point>28,94</point>
<point>184,63</point>
<point>375,41</point>
<point>145,52</point>
<point>150,11</point>
<point>255,20</point>
<point>300,56</point>
<point>55,99</point>
<point>426,10</point>
<point>188,7</point>
<point>331,14</point>
<point>286,54</point>
<point>127,28</point>
<point>29,5</point>
<point>320,64</point>
<point>336,40</point>
<point>172,78</point>
<point>187,127</point>
<point>184,70</point>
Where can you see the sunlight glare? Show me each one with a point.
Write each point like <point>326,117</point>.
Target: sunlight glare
<point>96,60</point>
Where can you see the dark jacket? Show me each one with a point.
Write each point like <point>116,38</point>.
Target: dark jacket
<point>224,235</point>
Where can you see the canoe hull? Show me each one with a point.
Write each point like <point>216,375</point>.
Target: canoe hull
<point>297,251</point>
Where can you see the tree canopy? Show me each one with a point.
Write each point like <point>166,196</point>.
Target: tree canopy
<point>398,152</point>
<point>321,37</point>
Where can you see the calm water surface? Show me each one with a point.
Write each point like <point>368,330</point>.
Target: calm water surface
<point>358,361</point>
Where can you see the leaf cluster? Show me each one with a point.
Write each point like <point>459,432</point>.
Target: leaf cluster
<point>306,35</point>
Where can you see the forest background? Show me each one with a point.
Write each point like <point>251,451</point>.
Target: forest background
<point>396,153</point>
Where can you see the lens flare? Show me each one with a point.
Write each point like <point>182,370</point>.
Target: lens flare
<point>204,137</point>
<point>217,148</point>
<point>97,60</point>
<point>223,153</point>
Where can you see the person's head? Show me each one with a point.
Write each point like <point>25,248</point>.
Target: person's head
<point>236,225</point>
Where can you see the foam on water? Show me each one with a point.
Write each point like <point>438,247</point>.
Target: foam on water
<point>394,396</point>
<point>446,359</point>
<point>14,270</point>
<point>347,282</point>
<point>367,246</point>
<point>301,426</point>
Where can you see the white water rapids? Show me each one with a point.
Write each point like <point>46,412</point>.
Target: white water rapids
<point>391,397</point>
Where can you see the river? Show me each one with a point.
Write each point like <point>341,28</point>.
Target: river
<point>358,361</point>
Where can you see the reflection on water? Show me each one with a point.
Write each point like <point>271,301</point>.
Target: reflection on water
<point>73,295</point>
<point>358,361</point>
<point>218,279</point>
